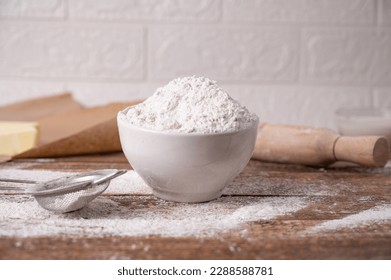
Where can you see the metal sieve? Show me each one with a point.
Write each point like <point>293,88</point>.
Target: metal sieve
<point>70,193</point>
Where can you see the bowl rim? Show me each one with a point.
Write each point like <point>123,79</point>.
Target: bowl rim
<point>121,113</point>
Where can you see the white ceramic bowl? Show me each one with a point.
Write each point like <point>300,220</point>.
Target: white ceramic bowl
<point>186,167</point>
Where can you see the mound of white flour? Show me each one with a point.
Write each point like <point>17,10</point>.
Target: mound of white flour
<point>190,105</point>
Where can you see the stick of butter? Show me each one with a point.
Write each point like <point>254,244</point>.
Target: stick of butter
<point>17,137</point>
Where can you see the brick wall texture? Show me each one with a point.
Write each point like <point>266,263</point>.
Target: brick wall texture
<point>290,61</point>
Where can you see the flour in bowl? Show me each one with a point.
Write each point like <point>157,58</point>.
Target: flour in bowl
<point>190,105</point>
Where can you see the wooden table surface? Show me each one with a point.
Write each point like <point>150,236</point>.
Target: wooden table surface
<point>332,195</point>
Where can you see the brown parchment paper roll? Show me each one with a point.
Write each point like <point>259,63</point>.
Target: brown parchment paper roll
<point>66,128</point>
<point>35,109</point>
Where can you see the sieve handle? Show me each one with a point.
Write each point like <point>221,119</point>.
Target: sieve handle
<point>18,181</point>
<point>9,188</point>
<point>109,176</point>
<point>15,188</point>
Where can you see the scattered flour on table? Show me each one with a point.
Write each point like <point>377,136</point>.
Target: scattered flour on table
<point>21,216</point>
<point>34,175</point>
<point>378,214</point>
<point>190,105</point>
<point>129,183</point>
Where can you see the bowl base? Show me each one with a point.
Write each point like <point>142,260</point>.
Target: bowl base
<point>187,197</point>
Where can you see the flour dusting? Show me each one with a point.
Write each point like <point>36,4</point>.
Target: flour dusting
<point>22,217</point>
<point>377,214</point>
<point>132,211</point>
<point>190,105</point>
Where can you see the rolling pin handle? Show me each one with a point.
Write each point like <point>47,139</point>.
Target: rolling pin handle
<point>370,151</point>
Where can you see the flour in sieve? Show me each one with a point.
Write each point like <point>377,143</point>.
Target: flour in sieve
<point>190,105</point>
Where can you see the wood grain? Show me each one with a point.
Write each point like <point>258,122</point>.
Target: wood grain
<point>332,194</point>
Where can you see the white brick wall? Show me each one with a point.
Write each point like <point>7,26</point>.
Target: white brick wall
<point>385,12</point>
<point>227,54</point>
<point>348,56</point>
<point>25,9</point>
<point>71,50</point>
<point>146,10</point>
<point>291,61</point>
<point>301,11</point>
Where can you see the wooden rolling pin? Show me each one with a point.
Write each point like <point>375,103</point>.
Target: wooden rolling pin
<point>318,146</point>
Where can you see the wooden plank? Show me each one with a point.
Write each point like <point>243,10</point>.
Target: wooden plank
<point>267,240</point>
<point>329,195</point>
<point>73,163</point>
